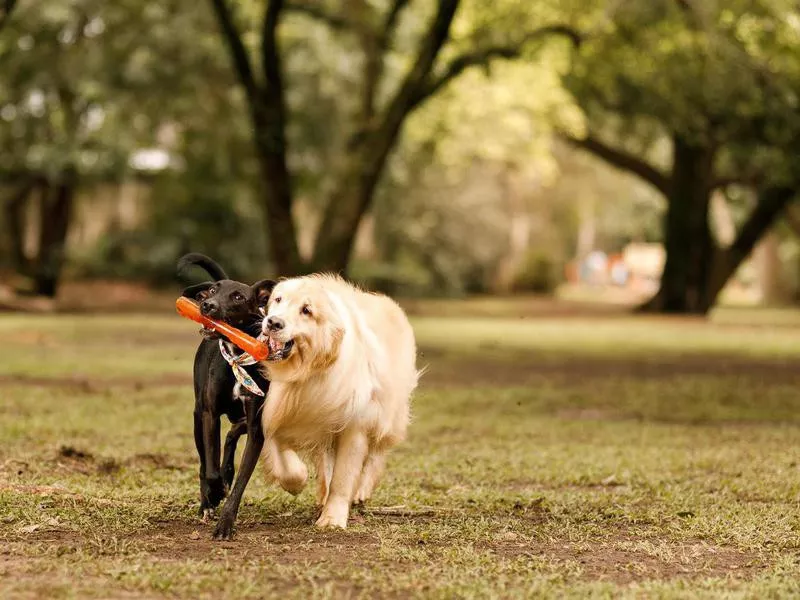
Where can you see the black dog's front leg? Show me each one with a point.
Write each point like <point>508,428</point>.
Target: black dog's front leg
<point>206,437</point>
<point>252,450</point>
<point>229,452</point>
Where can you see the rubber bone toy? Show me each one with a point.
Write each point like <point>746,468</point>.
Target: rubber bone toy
<point>189,309</point>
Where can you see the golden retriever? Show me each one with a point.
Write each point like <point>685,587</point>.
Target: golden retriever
<point>342,367</point>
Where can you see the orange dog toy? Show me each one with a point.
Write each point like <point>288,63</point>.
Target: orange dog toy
<point>189,309</point>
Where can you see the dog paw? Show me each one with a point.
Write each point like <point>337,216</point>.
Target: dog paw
<point>334,515</point>
<point>293,486</point>
<point>224,529</point>
<point>295,482</point>
<point>362,496</point>
<point>206,514</point>
<point>327,521</point>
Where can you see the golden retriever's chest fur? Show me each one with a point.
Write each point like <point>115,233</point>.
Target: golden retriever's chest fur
<point>307,414</point>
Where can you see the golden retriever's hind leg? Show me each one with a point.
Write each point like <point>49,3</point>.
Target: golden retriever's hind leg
<point>351,452</point>
<point>373,469</point>
<point>324,465</point>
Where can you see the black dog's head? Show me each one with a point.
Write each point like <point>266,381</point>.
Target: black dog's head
<point>234,302</point>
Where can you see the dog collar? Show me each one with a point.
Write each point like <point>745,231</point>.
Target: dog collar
<point>236,363</point>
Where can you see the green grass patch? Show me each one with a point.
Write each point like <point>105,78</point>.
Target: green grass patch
<point>548,457</point>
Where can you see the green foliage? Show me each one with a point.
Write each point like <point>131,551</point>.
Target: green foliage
<point>90,84</point>
<point>194,215</point>
<point>538,272</point>
<point>722,73</point>
<point>84,84</point>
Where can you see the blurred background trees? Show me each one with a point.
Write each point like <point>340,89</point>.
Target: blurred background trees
<point>695,98</point>
<point>425,148</point>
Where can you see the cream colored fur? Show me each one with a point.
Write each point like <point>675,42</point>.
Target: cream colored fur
<point>342,396</point>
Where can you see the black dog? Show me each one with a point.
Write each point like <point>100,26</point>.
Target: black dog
<point>217,390</point>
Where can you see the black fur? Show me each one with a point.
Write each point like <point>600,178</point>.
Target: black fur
<point>237,304</point>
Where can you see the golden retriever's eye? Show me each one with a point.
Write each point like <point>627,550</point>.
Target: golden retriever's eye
<point>277,300</point>
<point>306,311</point>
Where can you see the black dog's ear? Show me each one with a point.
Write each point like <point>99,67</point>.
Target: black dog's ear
<point>262,290</point>
<point>197,292</point>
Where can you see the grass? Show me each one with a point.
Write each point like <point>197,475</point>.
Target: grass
<point>568,455</point>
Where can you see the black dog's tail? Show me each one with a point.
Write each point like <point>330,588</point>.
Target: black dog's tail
<point>201,260</point>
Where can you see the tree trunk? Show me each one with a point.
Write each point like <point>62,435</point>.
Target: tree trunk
<point>769,270</point>
<point>55,219</point>
<point>348,204</point>
<point>696,270</point>
<point>281,233</point>
<point>372,146</point>
<point>15,227</point>
<point>772,202</point>
<point>688,242</point>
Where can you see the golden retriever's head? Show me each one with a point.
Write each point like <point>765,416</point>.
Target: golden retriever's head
<point>304,329</point>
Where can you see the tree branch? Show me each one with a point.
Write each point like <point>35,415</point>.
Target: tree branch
<point>340,221</point>
<point>748,179</point>
<point>375,49</point>
<point>270,53</point>
<point>238,52</point>
<point>5,15</point>
<point>772,201</point>
<point>333,20</point>
<point>485,55</point>
<point>623,160</point>
<point>406,97</point>
<point>390,23</point>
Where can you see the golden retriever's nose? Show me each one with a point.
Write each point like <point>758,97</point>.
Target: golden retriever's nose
<point>275,323</point>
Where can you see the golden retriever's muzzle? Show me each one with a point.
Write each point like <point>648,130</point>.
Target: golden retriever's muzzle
<point>272,328</point>
<point>279,350</point>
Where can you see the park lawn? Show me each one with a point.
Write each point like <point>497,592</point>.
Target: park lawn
<point>565,455</point>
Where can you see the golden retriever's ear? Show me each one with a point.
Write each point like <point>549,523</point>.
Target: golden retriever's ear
<point>323,360</point>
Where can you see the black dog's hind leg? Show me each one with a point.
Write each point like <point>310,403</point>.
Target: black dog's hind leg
<point>238,429</point>
<point>252,450</point>
<point>206,437</point>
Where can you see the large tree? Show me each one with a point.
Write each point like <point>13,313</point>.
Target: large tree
<point>383,102</point>
<point>718,82</point>
<point>83,86</point>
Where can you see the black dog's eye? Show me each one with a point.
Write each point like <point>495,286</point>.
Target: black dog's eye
<point>212,291</point>
<point>306,311</point>
<point>237,297</point>
<point>277,300</point>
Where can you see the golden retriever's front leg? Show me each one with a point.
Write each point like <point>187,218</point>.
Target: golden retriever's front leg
<point>324,475</point>
<point>287,467</point>
<point>350,454</point>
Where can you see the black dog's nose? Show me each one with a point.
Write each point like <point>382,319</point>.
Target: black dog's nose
<point>275,323</point>
<point>209,308</point>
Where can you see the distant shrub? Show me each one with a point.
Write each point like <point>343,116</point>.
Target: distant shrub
<point>539,273</point>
